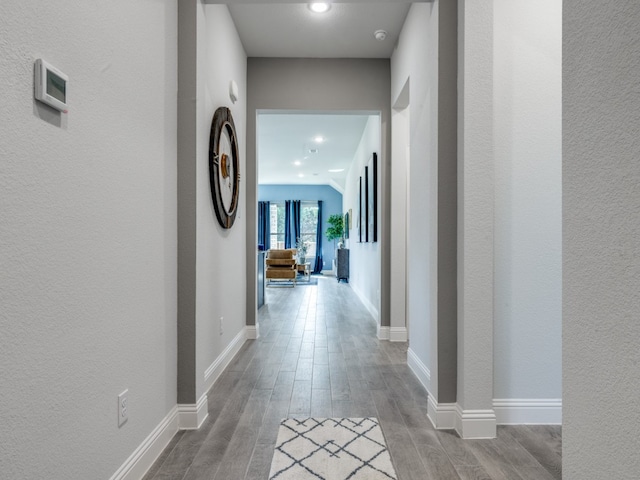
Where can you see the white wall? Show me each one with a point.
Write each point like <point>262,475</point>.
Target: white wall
<point>601,228</point>
<point>87,235</point>
<point>528,199</point>
<point>416,59</point>
<point>221,258</point>
<point>364,257</point>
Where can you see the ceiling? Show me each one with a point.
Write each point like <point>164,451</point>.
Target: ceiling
<point>285,140</point>
<point>288,28</point>
<point>293,30</point>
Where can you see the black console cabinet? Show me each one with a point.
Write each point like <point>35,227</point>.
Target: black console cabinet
<point>342,264</point>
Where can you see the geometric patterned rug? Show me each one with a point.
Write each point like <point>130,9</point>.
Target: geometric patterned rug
<point>331,449</point>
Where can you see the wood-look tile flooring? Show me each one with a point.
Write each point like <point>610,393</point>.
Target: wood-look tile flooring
<point>318,356</point>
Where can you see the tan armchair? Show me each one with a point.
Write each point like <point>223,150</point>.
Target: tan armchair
<point>281,265</point>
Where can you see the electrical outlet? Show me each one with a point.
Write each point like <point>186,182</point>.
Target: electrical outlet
<point>123,407</point>
<point>221,325</point>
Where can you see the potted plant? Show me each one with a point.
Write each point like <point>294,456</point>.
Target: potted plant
<point>301,248</point>
<point>336,229</point>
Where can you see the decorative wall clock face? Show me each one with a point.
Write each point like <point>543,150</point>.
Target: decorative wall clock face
<point>224,167</point>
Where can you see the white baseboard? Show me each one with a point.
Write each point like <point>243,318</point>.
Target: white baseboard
<point>212,373</point>
<point>149,450</point>
<point>442,415</point>
<point>540,411</point>
<point>383,332</point>
<point>398,334</point>
<point>253,331</point>
<point>191,416</point>
<point>473,424</point>
<point>419,369</point>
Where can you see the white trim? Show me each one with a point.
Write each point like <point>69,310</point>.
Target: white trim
<point>475,423</point>
<point>383,332</point>
<point>253,331</point>
<point>192,416</point>
<point>149,450</point>
<point>442,415</point>
<point>524,411</point>
<point>398,334</point>
<point>419,369</point>
<point>212,373</point>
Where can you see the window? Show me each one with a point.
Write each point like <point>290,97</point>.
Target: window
<point>276,214</point>
<point>308,225</point>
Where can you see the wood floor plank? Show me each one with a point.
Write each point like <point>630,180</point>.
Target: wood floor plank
<point>458,451</point>
<point>489,456</point>
<point>472,472</point>
<point>436,462</point>
<point>543,453</point>
<point>321,403</point>
<point>260,463</point>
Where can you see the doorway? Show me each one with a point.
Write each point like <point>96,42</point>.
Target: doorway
<point>323,159</point>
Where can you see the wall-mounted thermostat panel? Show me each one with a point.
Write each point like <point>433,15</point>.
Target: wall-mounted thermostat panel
<point>51,85</point>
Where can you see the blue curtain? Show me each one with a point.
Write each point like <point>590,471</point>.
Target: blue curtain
<point>296,217</point>
<point>319,261</point>
<point>291,222</point>
<point>264,225</point>
<point>287,225</point>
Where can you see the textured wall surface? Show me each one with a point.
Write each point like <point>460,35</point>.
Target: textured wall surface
<point>332,204</point>
<point>412,60</point>
<point>87,235</point>
<point>364,258</point>
<point>601,232</point>
<point>221,259</point>
<point>528,198</point>
<point>475,205</point>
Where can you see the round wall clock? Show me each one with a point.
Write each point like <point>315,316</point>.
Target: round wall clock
<point>224,167</point>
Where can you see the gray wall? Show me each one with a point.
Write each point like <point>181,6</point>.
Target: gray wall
<point>601,232</point>
<point>348,85</point>
<point>414,67</point>
<point>211,286</point>
<point>528,198</point>
<point>432,216</point>
<point>187,82</point>
<point>87,235</point>
<point>447,200</point>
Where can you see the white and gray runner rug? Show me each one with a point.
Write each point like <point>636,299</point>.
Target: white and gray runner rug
<point>331,449</point>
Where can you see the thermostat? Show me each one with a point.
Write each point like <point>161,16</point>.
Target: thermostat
<point>51,85</point>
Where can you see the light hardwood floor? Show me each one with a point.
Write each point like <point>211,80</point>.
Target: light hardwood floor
<point>318,356</point>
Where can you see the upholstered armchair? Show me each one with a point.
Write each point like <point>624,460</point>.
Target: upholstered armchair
<point>281,265</point>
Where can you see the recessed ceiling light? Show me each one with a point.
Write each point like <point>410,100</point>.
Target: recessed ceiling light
<point>336,170</point>
<point>318,139</point>
<point>297,163</point>
<point>300,175</point>
<point>319,7</point>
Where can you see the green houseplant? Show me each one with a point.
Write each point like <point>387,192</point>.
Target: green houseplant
<point>336,228</point>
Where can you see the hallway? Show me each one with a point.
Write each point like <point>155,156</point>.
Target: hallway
<point>318,356</point>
